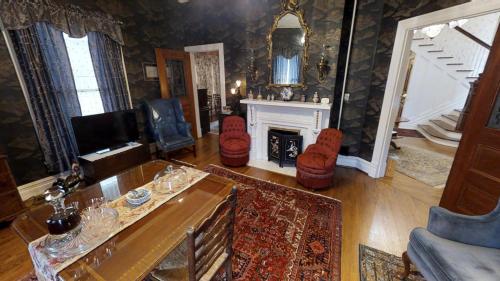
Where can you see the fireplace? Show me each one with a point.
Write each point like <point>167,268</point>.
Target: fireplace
<point>283,146</point>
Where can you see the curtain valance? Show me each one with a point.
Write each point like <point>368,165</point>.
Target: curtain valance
<point>71,19</point>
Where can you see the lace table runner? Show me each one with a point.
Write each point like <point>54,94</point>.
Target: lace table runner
<point>47,267</point>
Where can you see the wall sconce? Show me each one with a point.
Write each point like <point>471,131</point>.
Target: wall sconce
<point>252,69</point>
<point>323,67</point>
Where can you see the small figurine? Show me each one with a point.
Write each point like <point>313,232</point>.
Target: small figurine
<point>316,97</point>
<point>250,95</point>
<point>272,97</point>
<point>268,97</point>
<point>303,98</point>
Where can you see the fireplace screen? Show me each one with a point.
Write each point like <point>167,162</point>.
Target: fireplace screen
<point>283,146</point>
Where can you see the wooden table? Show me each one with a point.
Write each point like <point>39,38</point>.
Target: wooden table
<point>134,252</point>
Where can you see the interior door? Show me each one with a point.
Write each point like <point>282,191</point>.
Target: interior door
<point>473,186</point>
<point>174,71</point>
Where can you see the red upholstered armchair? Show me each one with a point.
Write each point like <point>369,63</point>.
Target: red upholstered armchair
<point>234,142</point>
<point>315,167</point>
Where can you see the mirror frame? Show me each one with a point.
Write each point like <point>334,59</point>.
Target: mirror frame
<point>289,7</point>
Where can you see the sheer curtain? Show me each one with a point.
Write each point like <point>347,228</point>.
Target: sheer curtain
<point>108,66</point>
<point>286,70</point>
<point>52,94</point>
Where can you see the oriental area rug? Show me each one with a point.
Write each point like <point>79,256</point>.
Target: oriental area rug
<point>375,265</point>
<point>282,233</point>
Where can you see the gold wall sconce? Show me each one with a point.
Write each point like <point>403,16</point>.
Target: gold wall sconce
<point>323,66</point>
<point>252,68</point>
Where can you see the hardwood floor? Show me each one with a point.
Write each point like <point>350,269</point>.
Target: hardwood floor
<point>379,213</point>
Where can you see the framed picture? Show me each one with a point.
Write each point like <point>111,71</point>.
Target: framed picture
<point>150,71</point>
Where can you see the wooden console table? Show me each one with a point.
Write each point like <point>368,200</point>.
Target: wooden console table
<point>135,251</point>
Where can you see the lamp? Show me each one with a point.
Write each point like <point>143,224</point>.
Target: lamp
<point>237,97</point>
<point>322,66</point>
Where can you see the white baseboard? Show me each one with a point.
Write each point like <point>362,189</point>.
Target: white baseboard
<point>35,188</point>
<point>345,161</point>
<point>358,163</point>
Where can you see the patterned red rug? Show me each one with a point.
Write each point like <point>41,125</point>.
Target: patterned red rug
<point>282,233</point>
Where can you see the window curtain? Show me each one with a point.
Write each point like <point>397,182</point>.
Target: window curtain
<point>286,70</point>
<point>108,67</point>
<point>208,77</point>
<point>71,19</point>
<point>52,95</point>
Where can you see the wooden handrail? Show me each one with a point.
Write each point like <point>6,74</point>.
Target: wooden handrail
<point>472,37</point>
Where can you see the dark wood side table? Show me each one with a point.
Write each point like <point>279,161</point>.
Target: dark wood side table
<point>113,164</point>
<point>11,203</point>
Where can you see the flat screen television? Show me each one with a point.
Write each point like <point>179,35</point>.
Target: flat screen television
<point>94,133</point>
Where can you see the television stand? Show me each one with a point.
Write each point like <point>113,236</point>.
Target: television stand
<point>101,165</point>
<point>114,148</point>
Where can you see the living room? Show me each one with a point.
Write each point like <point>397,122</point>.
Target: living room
<point>147,113</point>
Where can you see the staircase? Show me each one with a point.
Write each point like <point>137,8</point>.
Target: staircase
<point>442,130</point>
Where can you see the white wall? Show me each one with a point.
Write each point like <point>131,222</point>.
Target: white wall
<point>431,92</point>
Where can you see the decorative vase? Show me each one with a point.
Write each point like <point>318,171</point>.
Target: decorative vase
<point>286,94</point>
<point>316,97</point>
<point>259,96</point>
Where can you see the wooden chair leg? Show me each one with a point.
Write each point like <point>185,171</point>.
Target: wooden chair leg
<point>194,150</point>
<point>407,263</point>
<point>229,270</point>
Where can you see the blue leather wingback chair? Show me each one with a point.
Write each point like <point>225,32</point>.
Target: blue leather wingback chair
<point>456,247</point>
<point>166,122</point>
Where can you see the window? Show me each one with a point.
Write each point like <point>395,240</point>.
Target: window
<point>83,73</point>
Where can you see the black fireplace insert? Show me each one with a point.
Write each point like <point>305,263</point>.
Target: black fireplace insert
<point>283,146</point>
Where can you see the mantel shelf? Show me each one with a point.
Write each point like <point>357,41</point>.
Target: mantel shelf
<point>297,104</point>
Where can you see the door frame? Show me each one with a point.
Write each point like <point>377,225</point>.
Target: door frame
<point>399,64</point>
<point>219,47</point>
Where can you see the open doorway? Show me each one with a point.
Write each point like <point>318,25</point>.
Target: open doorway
<point>444,63</point>
<point>207,64</point>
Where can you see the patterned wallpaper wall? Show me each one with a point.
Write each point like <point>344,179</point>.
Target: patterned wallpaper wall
<point>145,27</point>
<point>374,35</point>
<point>241,25</point>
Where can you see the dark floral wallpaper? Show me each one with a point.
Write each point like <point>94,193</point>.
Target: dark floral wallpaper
<point>241,25</point>
<point>145,27</point>
<point>374,36</point>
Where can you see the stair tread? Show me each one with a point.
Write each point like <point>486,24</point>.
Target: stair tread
<point>444,57</point>
<point>464,70</point>
<point>425,45</point>
<point>435,51</point>
<point>451,117</point>
<point>433,132</point>
<point>445,126</point>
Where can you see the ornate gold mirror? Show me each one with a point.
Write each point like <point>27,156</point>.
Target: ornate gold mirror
<point>288,42</point>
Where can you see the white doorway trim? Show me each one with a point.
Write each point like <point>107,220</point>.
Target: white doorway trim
<point>207,48</point>
<point>399,64</point>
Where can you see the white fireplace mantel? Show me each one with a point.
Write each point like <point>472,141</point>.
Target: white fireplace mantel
<point>304,117</point>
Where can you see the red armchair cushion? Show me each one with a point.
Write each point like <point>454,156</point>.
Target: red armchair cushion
<point>235,146</point>
<point>312,161</point>
<point>234,140</point>
<point>315,167</point>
